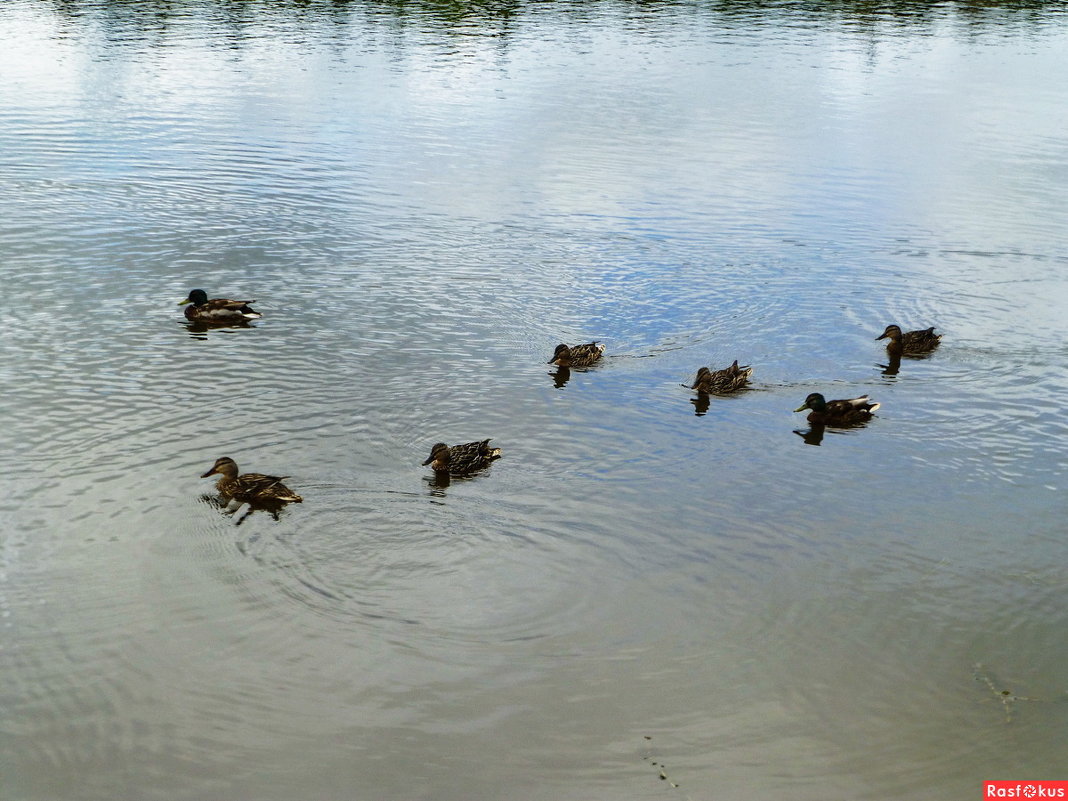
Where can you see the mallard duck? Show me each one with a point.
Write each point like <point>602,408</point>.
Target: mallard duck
<point>911,342</point>
<point>250,488</point>
<point>838,412</point>
<point>720,382</point>
<point>577,355</point>
<point>219,310</point>
<point>462,459</point>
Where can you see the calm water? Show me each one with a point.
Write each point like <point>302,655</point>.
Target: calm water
<point>424,200</point>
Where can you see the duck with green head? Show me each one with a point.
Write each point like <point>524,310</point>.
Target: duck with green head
<point>251,488</point>
<point>460,460</point>
<point>722,382</point>
<point>910,342</point>
<point>219,310</point>
<point>577,355</point>
<point>838,412</point>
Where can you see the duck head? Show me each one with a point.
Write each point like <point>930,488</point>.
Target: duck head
<point>702,374</point>
<point>891,331</point>
<point>439,457</point>
<point>197,297</point>
<point>561,356</point>
<point>224,466</point>
<point>815,401</point>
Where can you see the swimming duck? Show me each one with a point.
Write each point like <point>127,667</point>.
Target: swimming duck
<point>577,355</point>
<point>838,412</point>
<point>219,310</point>
<point>720,382</point>
<point>252,488</point>
<point>462,459</point>
<point>911,342</point>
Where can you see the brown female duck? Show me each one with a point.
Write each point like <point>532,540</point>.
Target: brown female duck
<point>251,488</point>
<point>911,342</point>
<point>576,355</point>
<point>461,459</point>
<point>721,382</point>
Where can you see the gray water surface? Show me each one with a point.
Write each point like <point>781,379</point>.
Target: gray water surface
<point>424,199</point>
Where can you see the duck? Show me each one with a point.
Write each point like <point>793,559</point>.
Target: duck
<point>577,355</point>
<point>720,382</point>
<point>838,412</point>
<point>218,310</point>
<point>911,342</point>
<point>461,459</point>
<point>251,488</point>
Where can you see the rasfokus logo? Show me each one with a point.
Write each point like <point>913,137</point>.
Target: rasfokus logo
<point>1031,789</point>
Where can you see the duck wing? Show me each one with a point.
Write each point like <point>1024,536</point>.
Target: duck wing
<point>851,407</point>
<point>256,483</point>
<point>472,456</point>
<point>726,380</point>
<point>222,308</point>
<point>586,353</point>
<point>921,340</point>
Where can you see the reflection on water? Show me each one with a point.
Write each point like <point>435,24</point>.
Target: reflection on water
<point>230,508</point>
<point>425,198</point>
<point>439,482</point>
<point>199,330</point>
<point>153,19</point>
<point>814,434</point>
<point>560,376</point>
<point>894,367</point>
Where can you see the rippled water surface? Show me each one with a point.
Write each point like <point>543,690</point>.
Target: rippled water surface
<point>424,199</point>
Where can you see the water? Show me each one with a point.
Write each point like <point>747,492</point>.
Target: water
<point>424,200</point>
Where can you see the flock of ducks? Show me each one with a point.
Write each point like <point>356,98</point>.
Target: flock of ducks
<point>258,490</point>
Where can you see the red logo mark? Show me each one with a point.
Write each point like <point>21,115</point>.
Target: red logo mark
<point>1025,789</point>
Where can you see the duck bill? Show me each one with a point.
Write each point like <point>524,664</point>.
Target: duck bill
<point>209,473</point>
<point>884,336</point>
<point>554,360</point>
<point>183,302</point>
<point>801,408</point>
<point>429,460</point>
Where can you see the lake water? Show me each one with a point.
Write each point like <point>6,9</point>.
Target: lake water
<point>424,199</point>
